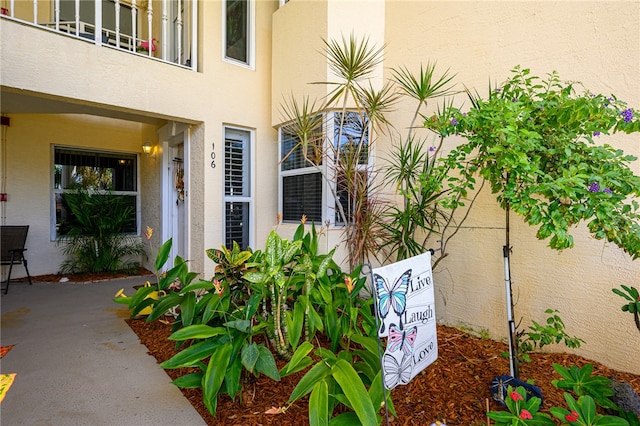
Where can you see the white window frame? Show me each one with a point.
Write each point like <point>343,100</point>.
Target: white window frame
<point>250,199</point>
<point>251,39</point>
<point>55,191</point>
<point>328,199</point>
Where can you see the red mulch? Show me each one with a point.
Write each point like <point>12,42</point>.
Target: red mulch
<point>455,388</point>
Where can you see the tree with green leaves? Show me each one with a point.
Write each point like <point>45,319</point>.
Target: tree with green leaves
<point>538,144</point>
<point>536,141</point>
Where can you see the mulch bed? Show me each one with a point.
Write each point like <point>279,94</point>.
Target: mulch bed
<point>455,388</point>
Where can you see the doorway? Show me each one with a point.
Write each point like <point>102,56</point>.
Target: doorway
<point>175,196</point>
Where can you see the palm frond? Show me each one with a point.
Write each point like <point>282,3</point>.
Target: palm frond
<point>351,61</point>
<point>378,103</point>
<point>304,120</point>
<point>426,85</point>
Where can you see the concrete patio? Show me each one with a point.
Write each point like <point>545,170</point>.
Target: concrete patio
<point>79,363</point>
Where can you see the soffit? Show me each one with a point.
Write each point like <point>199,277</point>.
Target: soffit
<point>18,102</point>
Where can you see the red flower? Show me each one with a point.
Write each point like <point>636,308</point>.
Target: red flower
<point>525,415</point>
<point>573,417</point>
<point>516,396</point>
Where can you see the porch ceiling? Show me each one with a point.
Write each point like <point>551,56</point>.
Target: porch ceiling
<point>22,102</point>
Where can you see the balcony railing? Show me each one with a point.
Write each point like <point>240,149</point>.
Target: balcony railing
<point>165,30</point>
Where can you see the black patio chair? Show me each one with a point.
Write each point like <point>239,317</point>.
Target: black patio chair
<point>13,239</point>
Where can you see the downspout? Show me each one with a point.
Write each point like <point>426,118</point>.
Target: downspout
<point>3,170</point>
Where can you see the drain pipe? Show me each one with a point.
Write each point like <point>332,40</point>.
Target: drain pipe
<point>5,121</point>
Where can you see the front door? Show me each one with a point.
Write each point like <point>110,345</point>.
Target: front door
<point>175,198</point>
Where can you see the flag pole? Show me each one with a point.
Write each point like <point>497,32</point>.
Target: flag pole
<point>377,315</point>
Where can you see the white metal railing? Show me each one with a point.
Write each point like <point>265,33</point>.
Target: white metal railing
<point>173,40</point>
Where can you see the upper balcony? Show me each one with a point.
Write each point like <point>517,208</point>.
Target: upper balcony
<point>163,30</point>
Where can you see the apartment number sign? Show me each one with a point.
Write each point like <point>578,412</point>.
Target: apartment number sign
<point>406,309</point>
<point>213,155</point>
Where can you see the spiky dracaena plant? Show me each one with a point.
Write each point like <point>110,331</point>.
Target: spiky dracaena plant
<point>373,227</point>
<point>348,170</point>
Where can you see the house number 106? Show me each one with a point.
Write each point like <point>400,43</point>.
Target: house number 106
<point>213,155</point>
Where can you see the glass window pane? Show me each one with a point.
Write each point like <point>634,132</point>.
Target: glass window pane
<point>237,30</point>
<point>236,166</point>
<point>302,194</point>
<point>95,170</point>
<point>100,173</point>
<point>292,157</point>
<point>237,224</point>
<point>355,135</point>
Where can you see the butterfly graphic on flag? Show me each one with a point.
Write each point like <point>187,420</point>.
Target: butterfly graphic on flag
<point>396,373</point>
<point>402,339</point>
<point>392,297</point>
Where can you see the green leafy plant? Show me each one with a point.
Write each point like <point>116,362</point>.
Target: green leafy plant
<point>290,270</point>
<point>521,411</point>
<point>581,382</point>
<point>592,391</point>
<point>342,312</point>
<point>373,228</point>
<point>97,239</point>
<point>231,266</point>
<point>536,142</point>
<point>228,347</point>
<point>632,295</point>
<point>598,388</point>
<point>340,380</point>
<point>158,299</point>
<point>540,335</point>
<point>429,201</point>
<point>583,412</point>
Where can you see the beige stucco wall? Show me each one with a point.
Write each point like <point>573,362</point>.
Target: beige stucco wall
<point>596,43</point>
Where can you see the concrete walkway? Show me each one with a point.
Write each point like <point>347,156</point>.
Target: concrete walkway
<point>79,363</point>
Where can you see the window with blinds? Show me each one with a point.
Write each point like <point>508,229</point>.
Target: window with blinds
<point>237,188</point>
<point>110,174</point>
<point>304,189</point>
<point>291,153</point>
<point>302,195</point>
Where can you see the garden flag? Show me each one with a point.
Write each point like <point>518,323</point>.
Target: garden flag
<point>405,306</point>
